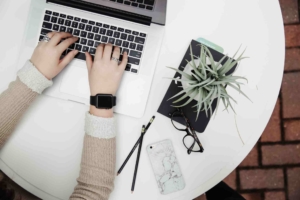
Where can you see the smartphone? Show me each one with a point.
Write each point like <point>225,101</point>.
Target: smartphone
<point>165,167</point>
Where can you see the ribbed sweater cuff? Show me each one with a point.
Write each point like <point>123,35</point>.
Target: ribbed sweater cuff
<point>100,127</point>
<point>34,79</point>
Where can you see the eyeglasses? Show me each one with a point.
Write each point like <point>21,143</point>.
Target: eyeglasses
<point>190,140</point>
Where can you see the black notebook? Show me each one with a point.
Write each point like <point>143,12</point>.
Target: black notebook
<point>166,108</point>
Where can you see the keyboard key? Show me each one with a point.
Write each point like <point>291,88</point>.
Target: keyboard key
<point>61,21</point>
<point>70,30</point>
<point>80,56</point>
<point>97,37</point>
<point>55,14</point>
<point>74,24</point>
<point>68,51</point>
<point>48,12</point>
<point>55,27</point>
<point>47,18</point>
<point>116,34</point>
<point>83,41</point>
<point>109,33</point>
<point>134,4</point>
<point>139,40</point>
<point>127,2</point>
<point>68,23</point>
<point>111,40</point>
<point>136,54</point>
<point>120,50</point>
<point>132,45</point>
<point>102,31</point>
<point>113,27</point>
<point>96,29</point>
<point>62,29</point>
<point>149,2</point>
<point>41,37</point>
<point>63,16</point>
<point>139,1</point>
<point>142,6</point>
<point>92,51</point>
<point>142,34</point>
<point>134,61</point>
<point>78,47</point>
<point>90,43</point>
<point>88,28</point>
<point>105,25</point>
<point>76,32</point>
<point>85,49</point>
<point>127,50</point>
<point>97,44</point>
<point>135,33</point>
<point>120,1</point>
<point>128,67</point>
<point>91,22</point>
<point>125,44</point>
<point>134,70</point>
<point>83,34</point>
<point>104,39</point>
<point>84,21</point>
<point>121,29</point>
<point>45,31</point>
<point>123,36</point>
<point>113,0</point>
<point>118,42</point>
<point>81,26</point>
<point>149,7</point>
<point>139,47</point>
<point>133,0</point>
<point>130,38</point>
<point>70,17</point>
<point>72,46</point>
<point>90,36</point>
<point>127,31</point>
<point>99,24</point>
<point>54,19</point>
<point>77,19</point>
<point>47,25</point>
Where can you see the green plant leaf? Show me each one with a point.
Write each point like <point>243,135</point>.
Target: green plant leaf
<point>203,82</point>
<point>181,92</point>
<point>184,96</point>
<point>218,99</point>
<point>188,101</point>
<point>199,100</point>
<point>182,73</point>
<point>205,99</point>
<point>180,80</point>
<point>211,59</point>
<point>240,91</point>
<point>219,63</point>
<point>195,69</point>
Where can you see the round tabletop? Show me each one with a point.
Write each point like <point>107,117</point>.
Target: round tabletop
<point>43,155</point>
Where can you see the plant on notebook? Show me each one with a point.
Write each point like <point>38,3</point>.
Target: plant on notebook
<point>207,81</point>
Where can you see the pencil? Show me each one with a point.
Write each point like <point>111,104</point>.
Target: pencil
<point>135,146</point>
<point>137,159</point>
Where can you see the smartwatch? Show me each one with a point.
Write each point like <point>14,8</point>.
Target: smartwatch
<point>103,101</point>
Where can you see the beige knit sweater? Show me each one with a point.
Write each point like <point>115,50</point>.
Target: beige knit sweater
<point>96,179</point>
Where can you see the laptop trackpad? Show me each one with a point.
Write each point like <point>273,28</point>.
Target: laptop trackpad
<point>75,82</point>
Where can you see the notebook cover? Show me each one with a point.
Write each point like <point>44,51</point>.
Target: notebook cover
<point>165,107</point>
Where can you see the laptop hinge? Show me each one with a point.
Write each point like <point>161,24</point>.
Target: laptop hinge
<point>104,10</point>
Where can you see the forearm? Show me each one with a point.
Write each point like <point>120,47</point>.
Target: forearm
<point>18,97</point>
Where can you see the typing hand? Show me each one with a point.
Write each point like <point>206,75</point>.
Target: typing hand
<point>46,56</point>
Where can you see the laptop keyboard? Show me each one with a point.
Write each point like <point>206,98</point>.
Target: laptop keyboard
<point>143,4</point>
<point>92,33</point>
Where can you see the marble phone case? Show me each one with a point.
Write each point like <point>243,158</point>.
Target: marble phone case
<point>165,167</point>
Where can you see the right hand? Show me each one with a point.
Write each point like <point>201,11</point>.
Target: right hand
<point>104,73</point>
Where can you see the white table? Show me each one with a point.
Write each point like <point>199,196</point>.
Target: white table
<point>44,153</point>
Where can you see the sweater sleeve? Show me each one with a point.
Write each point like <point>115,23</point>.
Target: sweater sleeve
<point>17,98</point>
<point>97,174</point>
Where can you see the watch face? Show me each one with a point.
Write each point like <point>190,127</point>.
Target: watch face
<point>105,101</point>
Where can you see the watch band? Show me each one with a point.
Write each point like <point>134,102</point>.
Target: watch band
<point>93,100</point>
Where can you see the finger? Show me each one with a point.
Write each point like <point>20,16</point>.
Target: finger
<point>116,53</point>
<point>89,61</point>
<point>99,52</point>
<point>124,61</point>
<point>67,59</point>
<point>57,37</point>
<point>66,43</point>
<point>107,52</point>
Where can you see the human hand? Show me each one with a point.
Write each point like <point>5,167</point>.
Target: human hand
<point>46,56</point>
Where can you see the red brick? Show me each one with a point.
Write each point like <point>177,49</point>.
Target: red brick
<point>292,59</point>
<point>291,95</point>
<point>293,183</point>
<point>252,196</point>
<point>272,132</point>
<point>261,179</point>
<point>230,180</point>
<point>280,154</point>
<point>274,196</point>
<point>289,10</point>
<point>201,197</point>
<point>292,130</point>
<point>292,35</point>
<point>251,159</point>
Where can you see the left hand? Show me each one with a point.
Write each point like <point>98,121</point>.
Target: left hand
<point>46,56</point>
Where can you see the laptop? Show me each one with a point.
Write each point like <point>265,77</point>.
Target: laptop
<point>136,26</point>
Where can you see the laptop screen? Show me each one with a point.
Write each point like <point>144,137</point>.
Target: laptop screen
<point>156,9</point>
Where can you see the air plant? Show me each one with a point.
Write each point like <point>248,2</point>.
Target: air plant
<point>208,82</point>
